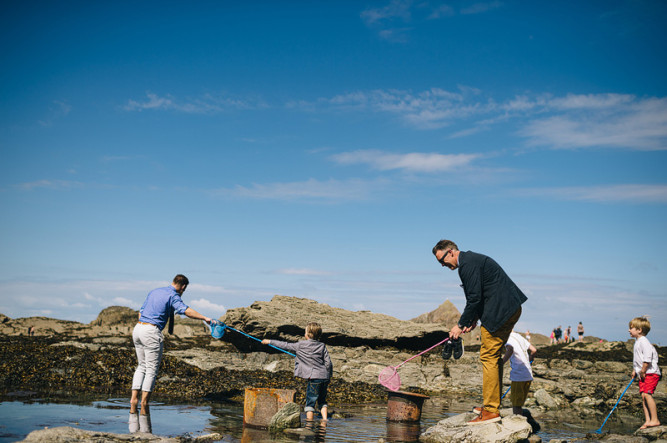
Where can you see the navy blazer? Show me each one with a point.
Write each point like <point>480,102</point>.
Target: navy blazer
<point>491,296</point>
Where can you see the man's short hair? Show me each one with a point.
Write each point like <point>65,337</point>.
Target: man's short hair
<point>181,280</point>
<point>641,323</point>
<point>443,245</point>
<point>314,330</point>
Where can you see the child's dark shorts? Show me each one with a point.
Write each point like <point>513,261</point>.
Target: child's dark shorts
<point>316,393</point>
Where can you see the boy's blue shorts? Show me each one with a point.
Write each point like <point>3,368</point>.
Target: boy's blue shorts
<point>316,393</point>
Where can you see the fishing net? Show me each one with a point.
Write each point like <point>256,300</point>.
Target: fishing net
<point>217,328</point>
<point>390,379</point>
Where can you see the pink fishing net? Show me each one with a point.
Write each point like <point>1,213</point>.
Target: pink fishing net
<point>390,379</point>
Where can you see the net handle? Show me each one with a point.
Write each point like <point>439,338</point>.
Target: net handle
<point>421,353</point>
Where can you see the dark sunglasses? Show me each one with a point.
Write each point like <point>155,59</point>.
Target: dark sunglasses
<point>442,259</point>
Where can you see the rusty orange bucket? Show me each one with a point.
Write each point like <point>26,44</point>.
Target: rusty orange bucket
<point>405,406</point>
<point>261,404</point>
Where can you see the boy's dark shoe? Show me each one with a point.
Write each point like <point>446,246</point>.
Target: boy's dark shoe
<point>447,349</point>
<point>458,348</point>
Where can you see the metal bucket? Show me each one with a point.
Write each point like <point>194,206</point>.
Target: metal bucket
<point>261,404</point>
<point>405,406</point>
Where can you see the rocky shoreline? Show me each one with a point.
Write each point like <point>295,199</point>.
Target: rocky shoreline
<point>584,378</point>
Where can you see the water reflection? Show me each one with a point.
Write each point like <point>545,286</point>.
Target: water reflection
<point>350,424</point>
<point>312,431</point>
<point>140,423</point>
<point>403,431</point>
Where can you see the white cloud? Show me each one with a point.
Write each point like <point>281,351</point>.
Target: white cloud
<point>301,271</point>
<point>205,104</point>
<point>50,184</point>
<point>387,19</point>
<point>411,162</point>
<point>59,110</point>
<point>207,307</point>
<point>325,191</point>
<point>429,109</point>
<point>123,301</point>
<point>479,8</point>
<point>631,193</point>
<point>209,289</point>
<point>604,120</point>
<point>567,122</point>
<point>395,9</point>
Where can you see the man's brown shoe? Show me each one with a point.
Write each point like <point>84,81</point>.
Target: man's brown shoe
<point>485,417</point>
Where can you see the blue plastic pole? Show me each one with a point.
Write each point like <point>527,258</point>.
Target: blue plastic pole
<point>255,338</point>
<point>508,389</point>
<point>599,431</point>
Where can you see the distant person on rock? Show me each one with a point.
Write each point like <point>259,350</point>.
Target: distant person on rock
<point>493,298</point>
<point>158,308</point>
<point>645,368</point>
<point>580,331</point>
<point>313,364</point>
<point>568,335</point>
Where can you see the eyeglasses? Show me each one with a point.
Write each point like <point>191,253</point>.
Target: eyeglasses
<point>442,259</point>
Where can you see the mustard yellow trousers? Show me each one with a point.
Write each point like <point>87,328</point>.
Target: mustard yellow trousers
<point>490,354</point>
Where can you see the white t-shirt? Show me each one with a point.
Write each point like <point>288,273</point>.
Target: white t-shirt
<point>644,352</point>
<point>519,360</point>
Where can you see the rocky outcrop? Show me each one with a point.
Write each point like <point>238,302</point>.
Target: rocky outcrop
<point>111,321</point>
<point>116,315</point>
<point>510,429</point>
<point>446,314</point>
<point>285,318</point>
<point>42,325</point>
<point>67,434</point>
<point>588,378</point>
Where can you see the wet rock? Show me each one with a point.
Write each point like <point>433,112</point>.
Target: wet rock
<point>587,402</point>
<point>618,438</point>
<point>654,433</point>
<point>545,400</point>
<point>289,416</point>
<point>510,429</point>
<point>67,434</point>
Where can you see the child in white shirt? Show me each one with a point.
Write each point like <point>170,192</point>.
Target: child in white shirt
<point>645,368</point>
<point>520,353</point>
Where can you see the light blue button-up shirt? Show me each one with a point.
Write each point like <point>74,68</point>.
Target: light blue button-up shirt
<point>159,305</point>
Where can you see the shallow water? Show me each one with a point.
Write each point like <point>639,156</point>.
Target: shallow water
<point>356,423</point>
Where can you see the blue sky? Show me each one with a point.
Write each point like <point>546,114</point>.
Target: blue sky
<point>321,149</point>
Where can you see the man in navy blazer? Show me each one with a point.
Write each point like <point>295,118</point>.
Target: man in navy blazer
<point>493,298</point>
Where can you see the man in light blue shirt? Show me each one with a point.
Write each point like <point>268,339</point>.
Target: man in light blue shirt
<point>158,308</point>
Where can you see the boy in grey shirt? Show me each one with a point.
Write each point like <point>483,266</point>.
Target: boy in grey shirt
<point>313,364</point>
